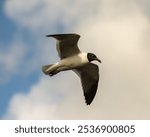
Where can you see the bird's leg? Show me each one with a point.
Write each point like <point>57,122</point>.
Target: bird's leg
<point>53,69</point>
<point>44,68</point>
<point>53,73</point>
<point>57,70</point>
<point>50,69</point>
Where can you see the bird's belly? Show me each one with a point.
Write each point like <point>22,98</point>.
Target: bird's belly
<point>71,63</point>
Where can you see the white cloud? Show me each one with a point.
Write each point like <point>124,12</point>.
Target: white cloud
<point>116,33</point>
<point>32,105</point>
<point>43,14</point>
<point>11,59</point>
<point>43,99</point>
<point>125,69</point>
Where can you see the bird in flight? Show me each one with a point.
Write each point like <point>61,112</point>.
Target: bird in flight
<point>71,58</point>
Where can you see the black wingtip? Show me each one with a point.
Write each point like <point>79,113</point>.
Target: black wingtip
<point>88,104</point>
<point>88,100</point>
<point>65,34</point>
<point>48,35</point>
<point>89,96</point>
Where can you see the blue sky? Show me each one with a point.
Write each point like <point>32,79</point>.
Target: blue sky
<point>6,34</point>
<point>116,31</point>
<point>7,26</point>
<point>15,83</point>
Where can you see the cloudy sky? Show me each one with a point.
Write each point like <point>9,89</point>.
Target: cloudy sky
<point>117,31</point>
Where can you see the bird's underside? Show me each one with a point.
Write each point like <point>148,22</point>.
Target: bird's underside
<point>89,73</point>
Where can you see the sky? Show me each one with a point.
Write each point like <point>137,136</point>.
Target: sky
<point>117,31</point>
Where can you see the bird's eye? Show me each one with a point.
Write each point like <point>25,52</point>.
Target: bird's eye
<point>93,55</point>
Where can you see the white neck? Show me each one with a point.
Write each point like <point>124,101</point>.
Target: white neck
<point>83,57</point>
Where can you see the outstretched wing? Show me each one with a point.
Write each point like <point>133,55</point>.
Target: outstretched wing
<point>66,44</point>
<point>89,75</point>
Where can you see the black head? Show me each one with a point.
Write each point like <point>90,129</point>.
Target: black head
<point>92,57</point>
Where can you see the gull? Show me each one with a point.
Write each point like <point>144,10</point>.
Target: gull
<point>71,58</point>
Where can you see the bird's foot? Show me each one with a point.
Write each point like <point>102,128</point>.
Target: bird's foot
<point>52,73</point>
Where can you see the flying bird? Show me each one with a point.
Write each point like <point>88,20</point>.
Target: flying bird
<point>71,58</point>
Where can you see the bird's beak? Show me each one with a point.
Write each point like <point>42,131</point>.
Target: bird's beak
<point>99,60</point>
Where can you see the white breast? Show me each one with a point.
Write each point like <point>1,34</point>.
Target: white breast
<point>83,57</point>
<point>74,61</point>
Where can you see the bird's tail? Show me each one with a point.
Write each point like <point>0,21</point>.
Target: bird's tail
<point>45,68</point>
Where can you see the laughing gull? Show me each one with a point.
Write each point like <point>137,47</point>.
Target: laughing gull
<point>73,59</point>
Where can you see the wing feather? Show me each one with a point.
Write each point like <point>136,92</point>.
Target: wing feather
<point>89,75</point>
<point>66,44</point>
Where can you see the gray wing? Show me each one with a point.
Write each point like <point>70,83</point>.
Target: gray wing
<point>89,75</point>
<point>66,44</point>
